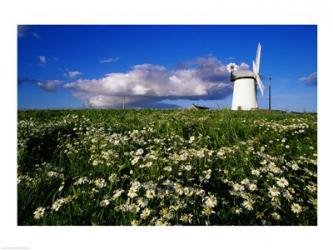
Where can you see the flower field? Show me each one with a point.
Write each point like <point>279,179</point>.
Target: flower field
<point>170,167</point>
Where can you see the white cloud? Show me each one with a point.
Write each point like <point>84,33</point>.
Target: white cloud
<point>35,35</point>
<point>49,85</point>
<point>73,74</point>
<point>310,80</point>
<point>146,84</point>
<point>244,66</point>
<point>109,60</point>
<point>24,31</point>
<point>42,60</point>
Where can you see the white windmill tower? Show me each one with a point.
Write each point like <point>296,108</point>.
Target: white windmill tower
<point>245,85</point>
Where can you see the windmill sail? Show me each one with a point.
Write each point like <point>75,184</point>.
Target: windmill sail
<point>256,67</point>
<point>258,58</point>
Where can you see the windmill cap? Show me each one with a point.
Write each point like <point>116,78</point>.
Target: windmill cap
<point>239,74</point>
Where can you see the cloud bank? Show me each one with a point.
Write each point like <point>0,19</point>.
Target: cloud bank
<point>36,35</point>
<point>24,31</point>
<point>310,80</point>
<point>42,60</point>
<point>109,60</point>
<point>50,85</point>
<point>73,74</point>
<point>145,85</point>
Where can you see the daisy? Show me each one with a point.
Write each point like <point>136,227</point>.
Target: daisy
<point>192,138</point>
<point>100,183</point>
<point>104,203</point>
<point>112,178</point>
<point>139,151</point>
<point>39,213</point>
<point>117,194</point>
<point>167,168</point>
<point>150,193</point>
<point>273,191</point>
<point>294,166</point>
<point>248,204</point>
<point>132,193</point>
<point>142,202</point>
<point>207,211</point>
<point>145,213</point>
<point>188,167</point>
<point>135,160</point>
<point>187,218</point>
<point>296,208</point>
<point>245,181</point>
<point>134,223</point>
<point>238,187</point>
<point>253,187</point>
<point>276,216</point>
<point>255,172</point>
<point>238,210</point>
<point>282,182</point>
<point>57,204</point>
<point>210,201</point>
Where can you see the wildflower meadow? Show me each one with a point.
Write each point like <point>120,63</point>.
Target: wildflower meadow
<point>166,167</point>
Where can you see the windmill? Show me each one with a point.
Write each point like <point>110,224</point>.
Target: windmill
<point>245,85</point>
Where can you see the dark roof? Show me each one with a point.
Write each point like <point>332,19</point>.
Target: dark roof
<point>198,107</point>
<point>238,74</point>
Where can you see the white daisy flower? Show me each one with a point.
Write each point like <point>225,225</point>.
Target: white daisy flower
<point>39,213</point>
<point>296,208</point>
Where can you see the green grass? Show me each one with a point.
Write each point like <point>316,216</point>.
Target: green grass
<point>170,167</point>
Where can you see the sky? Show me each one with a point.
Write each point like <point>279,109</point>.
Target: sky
<point>162,66</point>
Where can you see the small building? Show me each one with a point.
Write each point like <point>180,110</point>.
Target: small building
<point>196,107</point>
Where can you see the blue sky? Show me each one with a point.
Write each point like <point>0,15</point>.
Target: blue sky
<point>62,66</point>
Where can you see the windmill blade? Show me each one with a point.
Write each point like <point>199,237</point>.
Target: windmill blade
<point>260,84</point>
<point>258,58</point>
<point>254,67</point>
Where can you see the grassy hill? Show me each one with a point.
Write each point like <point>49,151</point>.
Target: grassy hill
<point>170,167</point>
